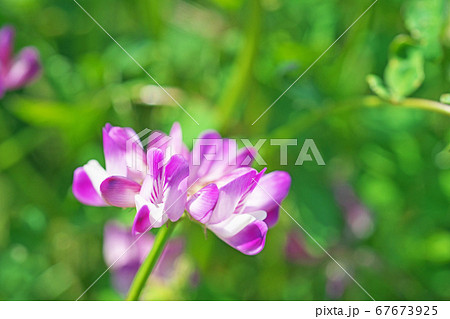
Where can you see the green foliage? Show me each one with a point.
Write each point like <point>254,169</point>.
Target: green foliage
<point>225,71</point>
<point>377,86</point>
<point>425,20</point>
<point>445,98</point>
<point>404,73</point>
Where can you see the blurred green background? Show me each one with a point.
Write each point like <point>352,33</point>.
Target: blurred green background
<point>380,206</point>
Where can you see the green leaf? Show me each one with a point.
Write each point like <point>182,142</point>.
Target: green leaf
<point>377,86</point>
<point>445,98</point>
<point>425,20</point>
<point>404,73</point>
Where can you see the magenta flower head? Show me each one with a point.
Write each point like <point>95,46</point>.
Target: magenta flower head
<point>125,171</point>
<point>214,183</point>
<point>19,71</point>
<point>237,211</point>
<point>126,257</point>
<point>214,159</point>
<point>224,211</point>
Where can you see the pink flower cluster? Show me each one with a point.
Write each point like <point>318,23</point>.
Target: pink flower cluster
<point>16,72</point>
<point>214,183</point>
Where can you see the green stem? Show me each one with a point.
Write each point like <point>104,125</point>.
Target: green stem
<point>426,105</point>
<point>309,119</point>
<point>242,69</point>
<point>147,266</point>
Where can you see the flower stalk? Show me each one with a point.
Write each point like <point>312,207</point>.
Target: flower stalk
<point>150,262</point>
<point>308,119</point>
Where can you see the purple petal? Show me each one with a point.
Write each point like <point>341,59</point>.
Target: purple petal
<point>84,191</point>
<point>252,185</point>
<point>272,216</point>
<point>198,164</point>
<point>119,191</point>
<point>155,161</point>
<point>24,69</point>
<point>200,204</point>
<point>251,239</point>
<point>124,154</point>
<point>156,214</point>
<point>141,222</point>
<point>114,147</point>
<point>245,156</point>
<point>222,181</point>
<point>235,223</point>
<point>268,195</point>
<point>159,140</point>
<point>224,160</point>
<point>177,173</point>
<point>177,144</point>
<point>6,46</point>
<point>230,195</point>
<point>175,164</point>
<point>177,135</point>
<point>244,232</point>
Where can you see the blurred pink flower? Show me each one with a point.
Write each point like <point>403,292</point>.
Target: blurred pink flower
<point>117,239</point>
<point>336,282</point>
<point>16,72</point>
<point>295,248</point>
<point>358,218</point>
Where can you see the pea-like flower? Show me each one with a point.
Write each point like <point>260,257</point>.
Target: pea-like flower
<point>216,160</point>
<point>125,171</point>
<point>236,212</point>
<point>214,183</point>
<point>16,72</point>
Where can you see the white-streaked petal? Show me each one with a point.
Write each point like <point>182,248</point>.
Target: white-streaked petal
<point>200,204</point>
<point>158,217</point>
<point>230,195</point>
<point>97,174</point>
<point>232,225</point>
